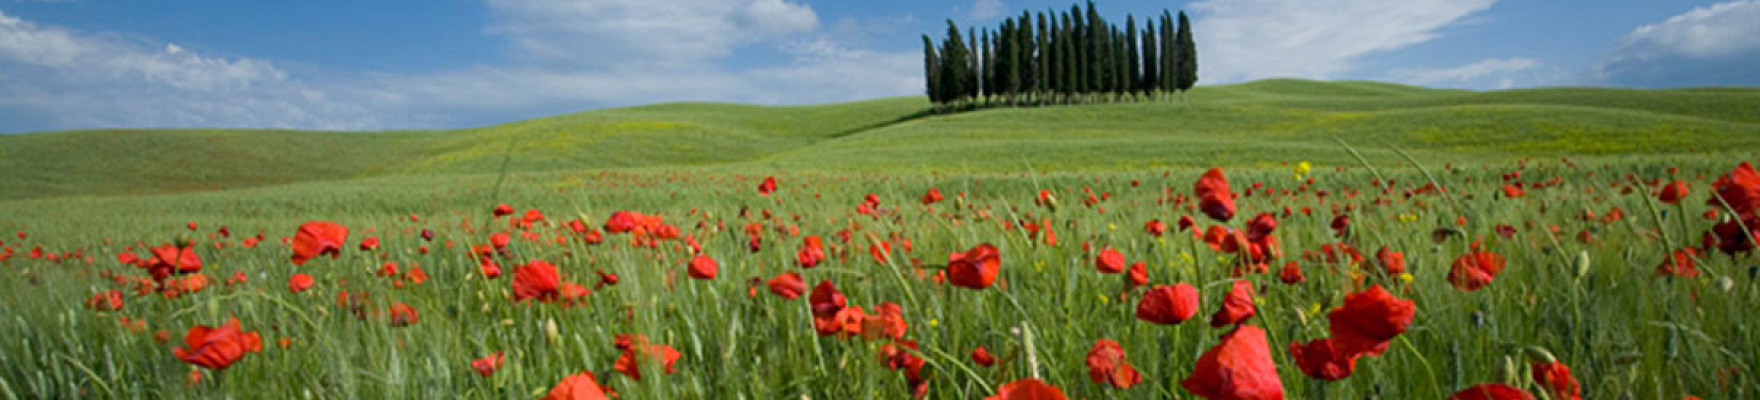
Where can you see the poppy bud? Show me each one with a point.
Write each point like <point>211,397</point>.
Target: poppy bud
<point>1582,264</point>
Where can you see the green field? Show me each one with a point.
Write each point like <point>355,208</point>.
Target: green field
<point>1593,303</point>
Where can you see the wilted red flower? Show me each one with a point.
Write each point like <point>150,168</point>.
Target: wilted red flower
<point>1673,192</point>
<point>1215,198</point>
<point>1237,306</point>
<point>1323,359</point>
<point>403,315</point>
<point>1474,270</point>
<point>1369,319</point>
<point>1106,364</point>
<point>788,285</point>
<point>1168,304</point>
<point>537,279</point>
<point>317,238</point>
<point>982,357</point>
<point>110,300</point>
<point>1555,378</point>
<point>637,349</point>
<point>487,365</point>
<point>1110,261</point>
<point>932,196</point>
<point>703,267</point>
<point>1393,262</point>
<point>217,348</point>
<point>768,186</point>
<point>1740,188</point>
<point>299,282</point>
<point>1492,391</point>
<point>1027,389</point>
<point>581,386</point>
<point>1680,263</point>
<point>976,268</point>
<point>1238,368</point>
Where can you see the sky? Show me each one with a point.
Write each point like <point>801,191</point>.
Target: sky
<point>425,64</point>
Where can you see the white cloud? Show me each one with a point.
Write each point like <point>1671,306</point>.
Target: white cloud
<point>1478,74</point>
<point>568,55</point>
<point>985,10</point>
<point>1251,39</point>
<point>1712,45</point>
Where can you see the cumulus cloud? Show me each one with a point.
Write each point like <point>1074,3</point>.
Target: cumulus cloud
<point>1251,39</point>
<point>1495,72</point>
<point>568,55</point>
<point>1708,46</point>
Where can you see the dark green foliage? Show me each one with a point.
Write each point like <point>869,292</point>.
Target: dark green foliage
<point>1059,57</point>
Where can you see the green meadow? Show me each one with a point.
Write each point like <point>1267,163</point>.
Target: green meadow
<point>1581,291</point>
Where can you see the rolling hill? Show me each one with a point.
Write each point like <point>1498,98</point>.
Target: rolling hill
<point>1256,123</point>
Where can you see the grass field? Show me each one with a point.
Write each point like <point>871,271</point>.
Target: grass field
<point>1583,291</point>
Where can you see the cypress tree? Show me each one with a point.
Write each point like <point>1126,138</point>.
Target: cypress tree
<point>1151,58</point>
<point>1133,60</point>
<point>975,75</point>
<point>1042,83</point>
<point>1072,59</point>
<point>1188,56</point>
<point>1096,49</point>
<point>955,65</point>
<point>932,72</point>
<point>1168,66</point>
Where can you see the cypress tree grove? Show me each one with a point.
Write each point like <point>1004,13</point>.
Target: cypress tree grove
<point>1055,57</point>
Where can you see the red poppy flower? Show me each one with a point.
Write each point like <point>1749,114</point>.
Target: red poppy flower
<point>1340,225</point>
<point>606,278</point>
<point>1474,270</point>
<point>788,285</point>
<point>537,279</point>
<point>1027,389</point>
<point>1513,191</point>
<point>1237,306</point>
<point>1168,304</point>
<point>172,260</point>
<point>317,238</point>
<point>1110,261</point>
<point>487,365</point>
<point>976,268</point>
<point>768,186</point>
<point>1681,263</point>
<point>703,267</point>
<point>932,196</point>
<point>579,386</point>
<point>1323,359</point>
<point>1555,378</point>
<point>1186,222</point>
<point>1138,275</point>
<point>403,315</point>
<point>369,244</point>
<point>1740,188</point>
<point>1369,319</point>
<point>1492,391</point>
<point>1731,238</point>
<point>826,303</point>
<point>1291,273</point>
<point>1106,364</point>
<point>887,321</point>
<point>1155,227</point>
<point>1238,368</point>
<point>1393,262</point>
<point>503,210</point>
<point>982,357</point>
<point>1215,198</point>
<point>1673,192</point>
<point>637,349</point>
<point>812,252</point>
<point>490,269</point>
<point>895,357</point>
<point>217,348</point>
<point>299,282</point>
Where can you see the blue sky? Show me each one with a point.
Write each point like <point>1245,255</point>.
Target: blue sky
<point>406,64</point>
